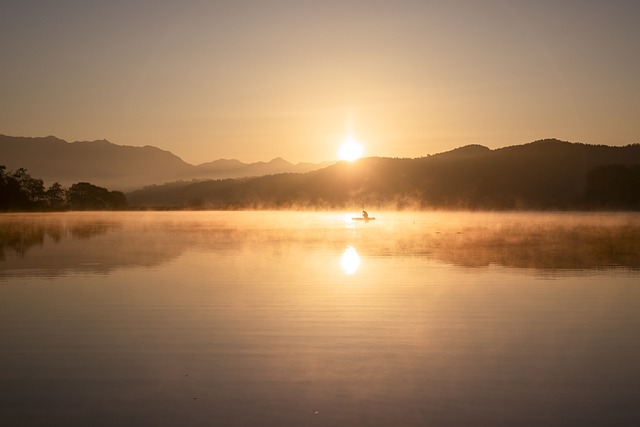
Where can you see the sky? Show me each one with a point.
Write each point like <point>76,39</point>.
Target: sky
<point>258,79</point>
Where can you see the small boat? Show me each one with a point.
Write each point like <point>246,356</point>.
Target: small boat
<point>365,217</point>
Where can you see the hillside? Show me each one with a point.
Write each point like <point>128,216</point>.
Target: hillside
<point>121,167</point>
<point>546,174</point>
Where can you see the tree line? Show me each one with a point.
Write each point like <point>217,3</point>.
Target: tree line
<point>19,191</point>
<point>405,183</point>
<point>614,187</point>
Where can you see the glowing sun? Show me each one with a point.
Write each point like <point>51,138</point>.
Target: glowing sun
<point>350,150</point>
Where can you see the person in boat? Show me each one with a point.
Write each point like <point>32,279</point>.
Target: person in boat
<point>365,215</point>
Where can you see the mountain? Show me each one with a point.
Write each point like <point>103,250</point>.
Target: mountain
<point>223,168</point>
<point>545,174</point>
<point>119,167</point>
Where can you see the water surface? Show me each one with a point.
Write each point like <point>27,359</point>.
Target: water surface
<point>311,319</point>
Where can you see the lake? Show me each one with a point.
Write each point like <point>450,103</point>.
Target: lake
<point>312,319</point>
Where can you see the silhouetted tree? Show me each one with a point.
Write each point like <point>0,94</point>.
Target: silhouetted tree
<point>55,196</point>
<point>86,196</point>
<point>19,191</point>
<point>32,188</point>
<point>118,200</point>
<point>10,194</point>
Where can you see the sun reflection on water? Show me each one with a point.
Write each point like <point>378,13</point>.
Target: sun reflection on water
<point>350,260</point>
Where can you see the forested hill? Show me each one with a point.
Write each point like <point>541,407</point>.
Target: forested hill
<point>546,174</point>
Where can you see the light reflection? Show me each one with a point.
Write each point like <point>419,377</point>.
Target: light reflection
<point>348,221</point>
<point>350,260</point>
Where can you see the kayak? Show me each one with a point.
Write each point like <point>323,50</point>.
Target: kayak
<point>364,219</point>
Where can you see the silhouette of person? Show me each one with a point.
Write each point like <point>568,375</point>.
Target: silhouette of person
<point>365,215</point>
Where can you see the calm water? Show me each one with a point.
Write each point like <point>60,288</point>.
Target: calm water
<point>311,319</point>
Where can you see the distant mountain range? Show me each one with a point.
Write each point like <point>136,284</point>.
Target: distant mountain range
<point>545,174</point>
<point>123,168</point>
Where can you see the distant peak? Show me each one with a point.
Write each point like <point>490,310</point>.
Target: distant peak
<point>550,141</point>
<point>467,150</point>
<point>228,161</point>
<point>473,148</point>
<point>225,163</point>
<point>279,160</point>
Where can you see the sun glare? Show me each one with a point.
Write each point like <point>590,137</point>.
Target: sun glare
<point>350,150</point>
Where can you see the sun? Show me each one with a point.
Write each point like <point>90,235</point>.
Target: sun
<point>350,150</point>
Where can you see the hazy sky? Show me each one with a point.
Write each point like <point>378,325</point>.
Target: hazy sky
<point>254,80</point>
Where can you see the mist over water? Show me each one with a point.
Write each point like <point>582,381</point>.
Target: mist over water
<point>579,241</point>
<point>311,318</point>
